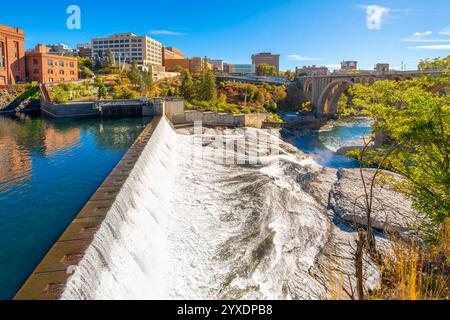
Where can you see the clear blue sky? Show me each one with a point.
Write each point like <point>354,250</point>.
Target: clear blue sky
<point>320,32</point>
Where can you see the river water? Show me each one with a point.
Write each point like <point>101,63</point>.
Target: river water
<point>323,143</point>
<point>48,170</point>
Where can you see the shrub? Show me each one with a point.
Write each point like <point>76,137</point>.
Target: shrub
<point>274,118</point>
<point>121,92</point>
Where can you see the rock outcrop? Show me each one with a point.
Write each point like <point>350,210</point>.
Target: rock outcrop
<point>340,192</point>
<point>392,212</point>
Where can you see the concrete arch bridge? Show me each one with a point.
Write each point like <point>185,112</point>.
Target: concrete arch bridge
<point>324,91</point>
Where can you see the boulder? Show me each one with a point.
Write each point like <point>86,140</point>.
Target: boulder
<point>392,212</point>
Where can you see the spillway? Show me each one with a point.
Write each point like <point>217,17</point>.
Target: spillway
<point>189,227</point>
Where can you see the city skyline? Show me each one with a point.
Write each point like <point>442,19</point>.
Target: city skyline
<point>302,32</point>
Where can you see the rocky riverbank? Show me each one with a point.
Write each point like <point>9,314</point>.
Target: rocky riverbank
<point>316,211</point>
<point>340,192</point>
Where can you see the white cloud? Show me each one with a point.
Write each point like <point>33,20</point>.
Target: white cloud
<point>296,57</point>
<point>424,40</point>
<point>445,31</point>
<point>375,15</point>
<point>422,34</point>
<point>166,33</point>
<point>423,37</point>
<point>432,47</point>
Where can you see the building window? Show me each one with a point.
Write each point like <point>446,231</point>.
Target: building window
<point>72,65</point>
<point>50,62</point>
<point>50,71</point>
<point>50,80</point>
<point>72,72</point>
<point>16,49</point>
<point>35,62</point>
<point>61,71</point>
<point>2,55</point>
<point>36,71</point>
<point>2,80</point>
<point>61,63</point>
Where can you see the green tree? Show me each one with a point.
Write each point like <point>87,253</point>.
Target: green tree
<point>264,69</point>
<point>187,85</point>
<point>435,64</point>
<point>135,75</point>
<point>207,88</point>
<point>413,122</point>
<point>102,90</point>
<point>146,82</point>
<point>85,67</point>
<point>210,86</point>
<point>109,61</point>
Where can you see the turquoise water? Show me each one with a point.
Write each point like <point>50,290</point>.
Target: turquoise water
<point>322,144</point>
<point>48,170</point>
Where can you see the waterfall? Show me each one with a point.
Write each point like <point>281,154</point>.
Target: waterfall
<point>190,228</point>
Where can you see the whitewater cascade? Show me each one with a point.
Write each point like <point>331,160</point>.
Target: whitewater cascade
<point>186,228</point>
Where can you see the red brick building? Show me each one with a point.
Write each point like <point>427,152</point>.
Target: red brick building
<point>12,55</point>
<point>48,68</point>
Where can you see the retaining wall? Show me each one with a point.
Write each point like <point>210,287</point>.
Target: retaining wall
<point>255,120</point>
<point>69,110</point>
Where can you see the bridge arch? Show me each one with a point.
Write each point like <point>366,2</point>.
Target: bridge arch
<point>308,88</point>
<point>328,101</point>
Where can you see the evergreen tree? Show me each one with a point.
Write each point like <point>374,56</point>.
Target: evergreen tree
<point>211,88</point>
<point>208,88</point>
<point>146,82</point>
<point>135,75</point>
<point>102,91</point>
<point>187,86</point>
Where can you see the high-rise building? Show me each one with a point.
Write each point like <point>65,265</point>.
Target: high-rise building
<point>12,55</point>
<point>44,67</point>
<point>128,48</point>
<point>268,58</point>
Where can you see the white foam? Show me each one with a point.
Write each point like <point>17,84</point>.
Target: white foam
<point>185,228</point>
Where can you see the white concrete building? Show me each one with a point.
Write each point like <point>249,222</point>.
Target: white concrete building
<point>128,47</point>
